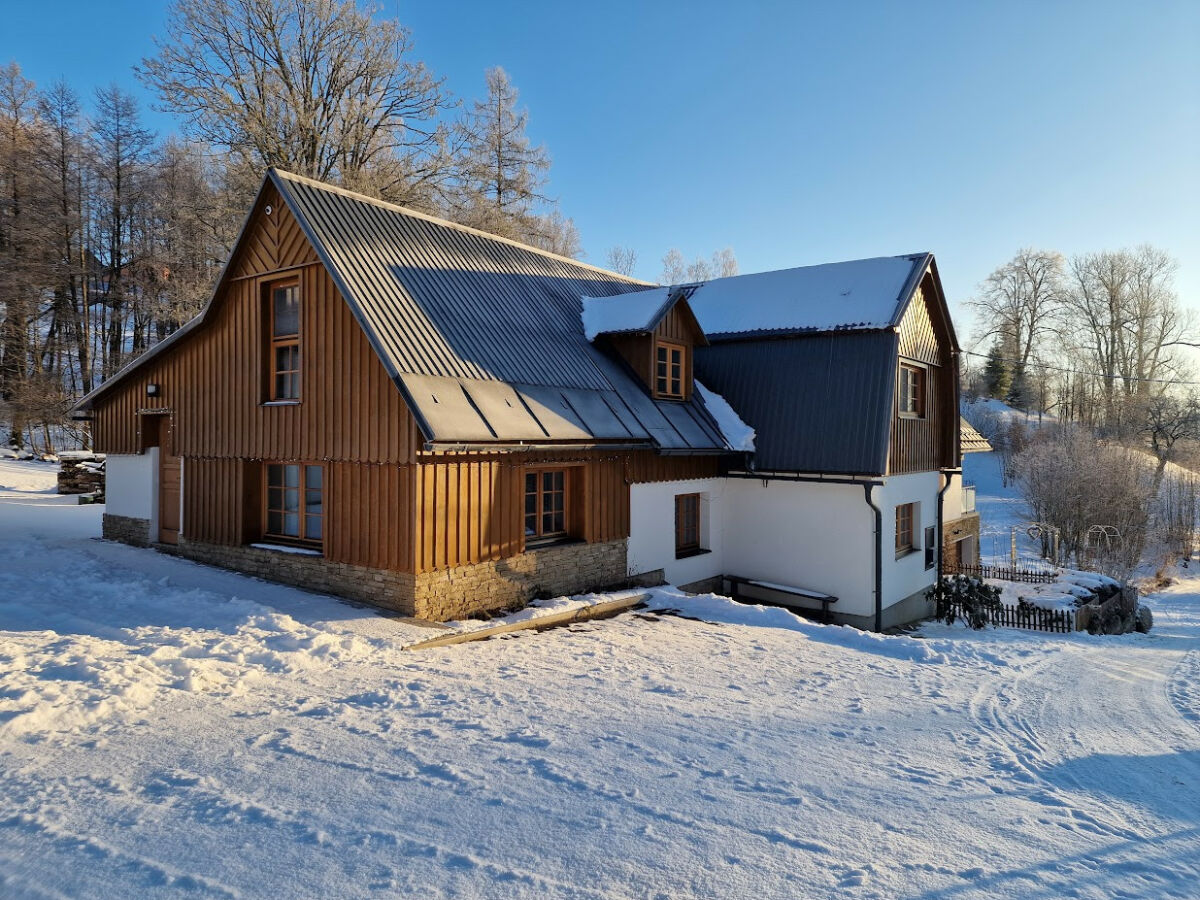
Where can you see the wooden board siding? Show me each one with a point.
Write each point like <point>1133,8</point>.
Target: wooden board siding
<point>213,383</point>
<point>929,443</point>
<point>272,241</point>
<point>470,508</point>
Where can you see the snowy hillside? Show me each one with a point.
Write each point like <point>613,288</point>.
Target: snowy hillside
<point>174,730</point>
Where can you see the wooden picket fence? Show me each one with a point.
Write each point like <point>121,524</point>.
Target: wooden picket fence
<point>1034,618</point>
<point>1004,573</point>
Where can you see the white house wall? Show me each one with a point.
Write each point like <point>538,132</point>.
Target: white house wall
<point>907,575</point>
<point>816,536</point>
<point>805,534</point>
<point>652,529</point>
<point>131,486</point>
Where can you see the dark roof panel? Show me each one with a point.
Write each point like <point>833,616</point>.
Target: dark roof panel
<point>818,403</point>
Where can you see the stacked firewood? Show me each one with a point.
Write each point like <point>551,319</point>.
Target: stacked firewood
<point>82,472</point>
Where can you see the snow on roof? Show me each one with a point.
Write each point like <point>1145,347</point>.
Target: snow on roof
<point>635,311</point>
<point>862,294</point>
<point>737,433</point>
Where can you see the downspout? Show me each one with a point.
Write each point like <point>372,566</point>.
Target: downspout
<point>949,479</point>
<point>878,557</point>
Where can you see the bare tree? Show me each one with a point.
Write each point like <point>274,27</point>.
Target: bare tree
<point>503,173</point>
<point>320,87</point>
<point>1020,302</point>
<point>677,270</point>
<point>1123,314</point>
<point>622,260</point>
<point>1168,419</point>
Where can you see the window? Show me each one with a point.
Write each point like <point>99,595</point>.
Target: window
<point>668,370</point>
<point>285,341</point>
<point>295,503</point>
<point>912,391</point>
<point>687,524</point>
<point>905,514</point>
<point>930,540</point>
<point>545,503</point>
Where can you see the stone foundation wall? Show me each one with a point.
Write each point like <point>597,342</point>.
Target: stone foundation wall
<point>504,584</point>
<point>953,532</point>
<point>127,530</point>
<point>377,587</point>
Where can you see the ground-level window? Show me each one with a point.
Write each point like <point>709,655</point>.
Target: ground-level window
<point>295,503</point>
<point>687,524</point>
<point>668,370</point>
<point>905,514</point>
<point>545,503</point>
<point>912,391</point>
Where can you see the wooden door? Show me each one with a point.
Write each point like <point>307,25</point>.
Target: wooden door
<point>158,433</point>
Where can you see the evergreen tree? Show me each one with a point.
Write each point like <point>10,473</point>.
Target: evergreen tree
<point>997,376</point>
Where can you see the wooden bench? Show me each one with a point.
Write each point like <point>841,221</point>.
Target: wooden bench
<point>826,600</point>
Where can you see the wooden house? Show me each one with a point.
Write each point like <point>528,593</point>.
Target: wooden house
<point>407,412</point>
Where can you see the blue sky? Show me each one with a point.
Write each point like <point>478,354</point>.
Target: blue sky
<point>801,133</point>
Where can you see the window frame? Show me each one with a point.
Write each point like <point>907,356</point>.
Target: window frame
<point>930,543</point>
<point>303,515</point>
<point>540,535</point>
<point>670,347</point>
<point>906,512</point>
<point>683,546</point>
<point>275,343</point>
<point>917,393</point>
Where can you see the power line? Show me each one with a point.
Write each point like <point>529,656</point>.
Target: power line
<point>1043,365</point>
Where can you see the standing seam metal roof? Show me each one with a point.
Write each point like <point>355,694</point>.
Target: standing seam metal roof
<point>483,335</point>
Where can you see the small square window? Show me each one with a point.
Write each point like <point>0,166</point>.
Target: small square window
<point>295,503</point>
<point>545,503</point>
<point>669,366</point>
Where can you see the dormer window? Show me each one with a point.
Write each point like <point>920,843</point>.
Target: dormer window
<point>285,341</point>
<point>670,370</point>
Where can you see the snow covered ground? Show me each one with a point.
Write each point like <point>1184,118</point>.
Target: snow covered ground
<point>171,729</point>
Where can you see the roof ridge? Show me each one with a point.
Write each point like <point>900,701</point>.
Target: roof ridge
<point>437,220</point>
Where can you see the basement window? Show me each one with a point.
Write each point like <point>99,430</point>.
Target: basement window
<point>295,504</point>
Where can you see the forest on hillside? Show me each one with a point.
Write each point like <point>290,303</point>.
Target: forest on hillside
<point>112,237</point>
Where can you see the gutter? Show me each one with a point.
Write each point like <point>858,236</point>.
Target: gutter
<point>878,556</point>
<point>865,480</point>
<point>518,446</point>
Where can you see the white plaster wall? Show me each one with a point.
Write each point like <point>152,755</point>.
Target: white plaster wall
<point>131,486</point>
<point>816,536</point>
<point>907,575</point>
<point>652,529</point>
<point>952,504</point>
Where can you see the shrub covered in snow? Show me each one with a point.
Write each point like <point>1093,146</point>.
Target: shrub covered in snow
<point>967,598</point>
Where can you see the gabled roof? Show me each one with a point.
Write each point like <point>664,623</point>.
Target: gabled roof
<point>481,334</point>
<point>970,440</point>
<point>637,312</point>
<point>860,295</point>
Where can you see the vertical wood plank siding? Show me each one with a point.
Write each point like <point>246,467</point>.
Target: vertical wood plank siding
<point>470,508</point>
<point>922,445</point>
<point>213,383</point>
<point>389,504</point>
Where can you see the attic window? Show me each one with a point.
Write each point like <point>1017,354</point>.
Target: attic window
<point>285,340</point>
<point>912,391</point>
<point>670,365</point>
